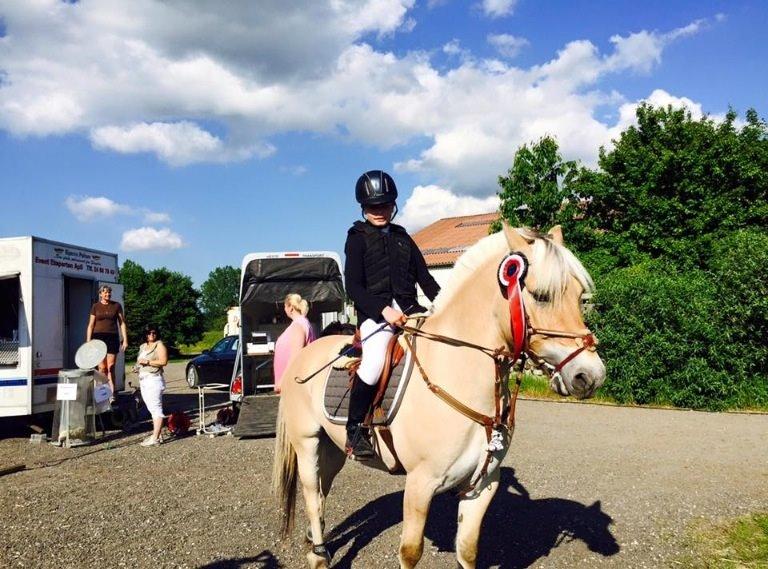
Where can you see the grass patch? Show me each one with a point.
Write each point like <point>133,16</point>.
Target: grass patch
<point>741,542</point>
<point>537,386</point>
<point>209,339</point>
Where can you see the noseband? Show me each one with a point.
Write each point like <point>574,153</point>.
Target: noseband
<point>584,342</point>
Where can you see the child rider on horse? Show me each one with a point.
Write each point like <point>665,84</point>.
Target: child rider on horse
<point>383,266</point>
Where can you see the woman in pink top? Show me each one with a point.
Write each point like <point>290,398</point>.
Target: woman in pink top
<point>298,334</point>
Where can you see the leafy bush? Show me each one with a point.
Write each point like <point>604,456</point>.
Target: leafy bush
<point>661,333</point>
<point>739,267</point>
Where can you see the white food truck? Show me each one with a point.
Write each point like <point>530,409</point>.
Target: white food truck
<point>46,292</point>
<point>265,280</point>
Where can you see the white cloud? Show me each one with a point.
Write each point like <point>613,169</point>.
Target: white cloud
<point>178,143</point>
<point>96,208</point>
<point>42,114</point>
<point>691,29</point>
<point>498,8</point>
<point>642,50</point>
<point>659,98</point>
<point>298,170</point>
<point>430,203</point>
<point>507,45</point>
<point>155,217</point>
<point>639,51</point>
<point>150,239</point>
<point>89,208</point>
<point>453,47</point>
<point>216,82</point>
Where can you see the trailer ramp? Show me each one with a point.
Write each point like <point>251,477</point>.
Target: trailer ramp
<point>258,416</point>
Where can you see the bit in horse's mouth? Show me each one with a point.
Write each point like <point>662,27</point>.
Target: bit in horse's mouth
<point>558,385</point>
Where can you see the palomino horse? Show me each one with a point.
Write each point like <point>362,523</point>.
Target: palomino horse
<point>439,447</point>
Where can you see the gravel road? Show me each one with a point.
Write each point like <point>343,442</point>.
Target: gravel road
<point>582,486</point>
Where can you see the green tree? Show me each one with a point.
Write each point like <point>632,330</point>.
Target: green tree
<point>162,298</point>
<point>138,311</point>
<point>536,190</point>
<point>671,186</point>
<point>219,292</point>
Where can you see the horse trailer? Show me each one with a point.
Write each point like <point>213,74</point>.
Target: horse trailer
<point>46,292</point>
<point>265,280</point>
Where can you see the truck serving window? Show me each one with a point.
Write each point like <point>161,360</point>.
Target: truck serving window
<point>9,319</point>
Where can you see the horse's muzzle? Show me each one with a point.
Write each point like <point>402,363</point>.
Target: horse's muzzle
<point>580,378</point>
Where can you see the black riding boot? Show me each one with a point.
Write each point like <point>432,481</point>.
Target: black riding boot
<point>358,444</point>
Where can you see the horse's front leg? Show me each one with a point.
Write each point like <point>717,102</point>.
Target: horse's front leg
<point>317,467</point>
<point>470,518</point>
<point>419,491</point>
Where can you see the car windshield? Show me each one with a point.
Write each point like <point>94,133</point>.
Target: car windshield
<point>221,346</point>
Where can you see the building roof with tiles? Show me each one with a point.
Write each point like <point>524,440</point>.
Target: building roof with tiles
<point>446,239</point>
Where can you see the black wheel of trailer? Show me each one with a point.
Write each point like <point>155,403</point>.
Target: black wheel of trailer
<point>193,376</point>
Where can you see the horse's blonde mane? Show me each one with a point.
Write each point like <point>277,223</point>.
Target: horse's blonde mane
<point>466,265</point>
<point>550,266</point>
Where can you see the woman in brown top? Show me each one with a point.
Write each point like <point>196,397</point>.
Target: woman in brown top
<point>103,323</point>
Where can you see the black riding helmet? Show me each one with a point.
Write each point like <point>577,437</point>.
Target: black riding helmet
<point>375,187</point>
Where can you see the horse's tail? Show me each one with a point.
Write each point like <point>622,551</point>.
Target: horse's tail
<point>284,479</point>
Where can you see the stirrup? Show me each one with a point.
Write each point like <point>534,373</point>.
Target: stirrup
<point>358,446</point>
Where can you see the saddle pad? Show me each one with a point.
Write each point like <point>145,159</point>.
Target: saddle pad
<point>336,393</point>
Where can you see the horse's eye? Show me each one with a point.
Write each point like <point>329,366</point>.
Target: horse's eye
<point>540,296</point>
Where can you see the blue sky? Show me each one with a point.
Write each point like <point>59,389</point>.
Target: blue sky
<point>186,135</point>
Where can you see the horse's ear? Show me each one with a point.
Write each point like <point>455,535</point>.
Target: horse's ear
<point>556,233</point>
<point>515,240</point>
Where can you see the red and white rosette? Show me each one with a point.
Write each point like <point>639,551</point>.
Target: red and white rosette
<point>511,274</point>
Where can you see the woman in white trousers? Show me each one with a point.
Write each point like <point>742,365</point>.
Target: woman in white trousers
<point>153,357</point>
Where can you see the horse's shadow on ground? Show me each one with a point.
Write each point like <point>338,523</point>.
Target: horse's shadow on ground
<point>516,532</point>
<point>264,560</point>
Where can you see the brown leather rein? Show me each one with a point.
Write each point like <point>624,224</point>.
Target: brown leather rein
<point>504,416</point>
<point>502,360</point>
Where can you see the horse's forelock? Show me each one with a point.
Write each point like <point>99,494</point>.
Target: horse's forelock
<point>551,266</point>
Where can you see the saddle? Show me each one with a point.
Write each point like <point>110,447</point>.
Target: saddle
<point>389,390</point>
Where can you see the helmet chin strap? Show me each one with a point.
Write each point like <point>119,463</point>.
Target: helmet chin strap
<point>394,213</point>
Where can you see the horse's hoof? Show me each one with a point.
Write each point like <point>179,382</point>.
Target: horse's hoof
<point>319,557</point>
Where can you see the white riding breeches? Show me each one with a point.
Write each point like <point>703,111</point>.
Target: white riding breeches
<point>152,387</point>
<point>374,349</point>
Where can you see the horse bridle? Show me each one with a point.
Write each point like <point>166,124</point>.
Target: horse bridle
<point>511,275</point>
